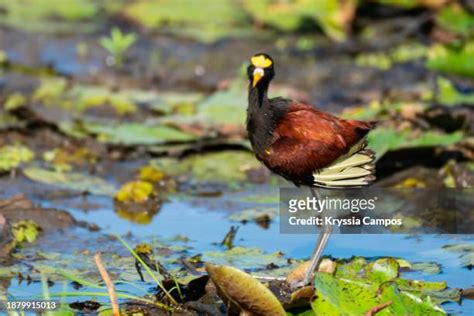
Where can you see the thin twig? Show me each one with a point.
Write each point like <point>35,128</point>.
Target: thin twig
<point>108,283</point>
<point>378,308</point>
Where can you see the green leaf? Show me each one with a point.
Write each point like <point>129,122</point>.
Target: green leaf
<point>356,297</point>
<point>455,19</point>
<point>71,181</point>
<point>25,231</point>
<point>452,61</point>
<point>351,269</point>
<point>332,15</point>
<point>245,258</point>
<point>13,156</point>
<point>52,16</point>
<point>382,140</point>
<point>14,101</point>
<point>214,21</point>
<point>466,252</point>
<point>404,303</point>
<point>136,133</point>
<point>382,270</point>
<point>337,297</point>
<point>426,267</point>
<point>449,95</point>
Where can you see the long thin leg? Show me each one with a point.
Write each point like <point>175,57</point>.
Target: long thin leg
<point>319,248</point>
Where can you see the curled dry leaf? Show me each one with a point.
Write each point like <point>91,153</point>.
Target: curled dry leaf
<point>298,274</point>
<point>243,293</point>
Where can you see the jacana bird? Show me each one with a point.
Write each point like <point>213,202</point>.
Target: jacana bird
<point>304,145</point>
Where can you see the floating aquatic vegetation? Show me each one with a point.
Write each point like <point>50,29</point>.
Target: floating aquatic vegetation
<point>63,159</point>
<point>449,60</point>
<point>50,89</point>
<point>449,95</point>
<point>376,60</point>
<point>25,231</point>
<point>334,16</point>
<point>12,156</point>
<point>245,258</point>
<point>410,4</point>
<point>55,92</point>
<point>466,253</point>
<point>385,60</point>
<point>14,101</point>
<point>71,181</point>
<point>136,201</point>
<point>135,192</point>
<point>68,16</point>
<point>382,140</point>
<point>215,21</point>
<point>456,19</point>
<point>216,108</point>
<point>358,287</point>
<point>126,133</point>
<point>225,166</point>
<point>151,174</point>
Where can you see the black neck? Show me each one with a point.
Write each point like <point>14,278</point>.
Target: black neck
<point>258,95</point>
<point>260,118</point>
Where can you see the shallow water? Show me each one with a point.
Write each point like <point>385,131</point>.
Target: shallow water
<point>205,221</point>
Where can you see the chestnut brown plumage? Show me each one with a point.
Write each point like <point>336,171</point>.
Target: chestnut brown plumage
<point>302,144</point>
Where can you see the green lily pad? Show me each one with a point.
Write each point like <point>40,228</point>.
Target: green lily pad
<point>342,297</point>
<point>71,181</point>
<point>351,269</point>
<point>224,166</point>
<point>14,101</point>
<point>245,258</point>
<point>382,140</point>
<point>466,252</point>
<point>426,267</point>
<point>382,270</point>
<point>436,291</point>
<point>214,21</point>
<point>348,297</point>
<point>168,102</point>
<point>456,61</point>
<point>449,95</point>
<point>333,16</point>
<point>217,107</point>
<point>127,133</point>
<point>405,304</point>
<point>455,19</point>
<point>51,16</point>
<point>12,156</point>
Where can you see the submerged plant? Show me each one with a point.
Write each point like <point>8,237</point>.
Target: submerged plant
<point>117,44</point>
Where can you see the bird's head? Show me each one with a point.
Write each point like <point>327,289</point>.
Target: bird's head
<point>260,71</point>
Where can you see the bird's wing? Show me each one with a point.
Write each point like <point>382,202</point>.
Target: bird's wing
<point>304,123</point>
<point>308,141</point>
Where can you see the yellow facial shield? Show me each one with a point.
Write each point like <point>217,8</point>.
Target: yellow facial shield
<point>260,61</point>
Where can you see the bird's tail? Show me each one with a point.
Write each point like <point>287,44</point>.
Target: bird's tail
<point>354,170</point>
